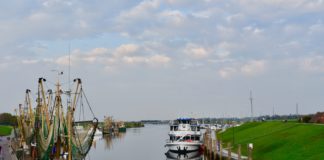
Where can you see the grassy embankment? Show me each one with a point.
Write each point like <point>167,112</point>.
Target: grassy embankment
<point>5,130</point>
<point>127,124</point>
<point>133,124</point>
<point>278,140</point>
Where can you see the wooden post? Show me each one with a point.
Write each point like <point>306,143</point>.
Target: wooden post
<point>220,150</point>
<point>210,147</point>
<point>250,148</point>
<point>239,152</point>
<point>229,149</point>
<point>205,143</point>
<point>215,149</point>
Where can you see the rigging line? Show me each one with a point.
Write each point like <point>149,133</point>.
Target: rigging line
<point>80,113</point>
<point>87,102</point>
<point>82,106</point>
<point>80,145</point>
<point>77,99</point>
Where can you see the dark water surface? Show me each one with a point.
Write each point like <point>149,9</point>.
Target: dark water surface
<point>145,143</point>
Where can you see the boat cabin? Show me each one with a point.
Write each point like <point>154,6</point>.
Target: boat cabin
<point>185,138</point>
<point>184,124</point>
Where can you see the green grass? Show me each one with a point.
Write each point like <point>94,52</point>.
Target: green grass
<point>278,140</point>
<point>133,124</point>
<point>5,130</point>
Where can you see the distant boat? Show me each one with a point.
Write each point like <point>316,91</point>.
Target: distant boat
<point>212,127</point>
<point>98,133</point>
<point>185,136</point>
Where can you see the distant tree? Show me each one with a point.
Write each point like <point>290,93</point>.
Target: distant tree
<point>8,119</point>
<point>306,119</point>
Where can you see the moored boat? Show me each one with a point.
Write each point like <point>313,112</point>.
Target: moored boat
<point>185,136</point>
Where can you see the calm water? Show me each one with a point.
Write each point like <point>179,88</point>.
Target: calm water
<point>136,144</point>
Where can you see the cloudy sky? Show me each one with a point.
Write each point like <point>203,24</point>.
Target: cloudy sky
<point>161,59</point>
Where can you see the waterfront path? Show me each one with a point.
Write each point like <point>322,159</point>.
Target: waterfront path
<point>224,151</point>
<point>6,150</point>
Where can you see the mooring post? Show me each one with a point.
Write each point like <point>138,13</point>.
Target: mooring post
<point>215,149</point>
<point>239,152</point>
<point>220,150</point>
<point>250,148</point>
<point>205,143</point>
<point>210,147</point>
<point>229,149</point>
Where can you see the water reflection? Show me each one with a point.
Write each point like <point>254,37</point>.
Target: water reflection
<point>137,144</point>
<point>184,156</point>
<point>111,138</point>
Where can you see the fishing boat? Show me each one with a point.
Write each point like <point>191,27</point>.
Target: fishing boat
<point>121,126</point>
<point>185,136</point>
<point>51,129</point>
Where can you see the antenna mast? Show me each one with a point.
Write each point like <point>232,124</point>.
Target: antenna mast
<point>251,101</point>
<point>69,76</point>
<point>70,66</point>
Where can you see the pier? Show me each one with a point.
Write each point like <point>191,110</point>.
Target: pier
<point>216,150</point>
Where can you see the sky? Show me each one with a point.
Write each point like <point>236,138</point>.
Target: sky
<point>163,59</point>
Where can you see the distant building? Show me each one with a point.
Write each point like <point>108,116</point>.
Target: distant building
<point>318,118</point>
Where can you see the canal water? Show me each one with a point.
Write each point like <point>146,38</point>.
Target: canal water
<point>145,143</point>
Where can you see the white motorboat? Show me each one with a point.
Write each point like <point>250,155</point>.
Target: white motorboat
<point>185,136</point>
<point>98,133</point>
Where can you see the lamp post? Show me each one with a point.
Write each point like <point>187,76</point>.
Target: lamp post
<point>233,138</point>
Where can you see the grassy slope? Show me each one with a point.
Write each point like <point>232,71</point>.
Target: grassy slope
<point>279,141</point>
<point>5,130</point>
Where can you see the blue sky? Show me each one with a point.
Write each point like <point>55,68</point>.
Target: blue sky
<point>162,59</point>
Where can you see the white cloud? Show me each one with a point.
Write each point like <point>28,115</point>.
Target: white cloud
<point>312,64</point>
<point>196,51</point>
<point>253,30</point>
<point>155,60</point>
<point>141,10</point>
<point>288,5</point>
<point>174,17</point>
<point>223,49</point>
<point>125,49</point>
<point>232,68</point>
<point>39,16</point>
<point>253,67</point>
<point>235,18</point>
<point>226,72</point>
<point>125,54</point>
<point>159,59</point>
<point>317,28</point>
<point>64,60</point>
<point>134,60</point>
<point>206,13</point>
<point>30,61</point>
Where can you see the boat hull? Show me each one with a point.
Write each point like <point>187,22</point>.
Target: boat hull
<point>180,147</point>
<point>196,155</point>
